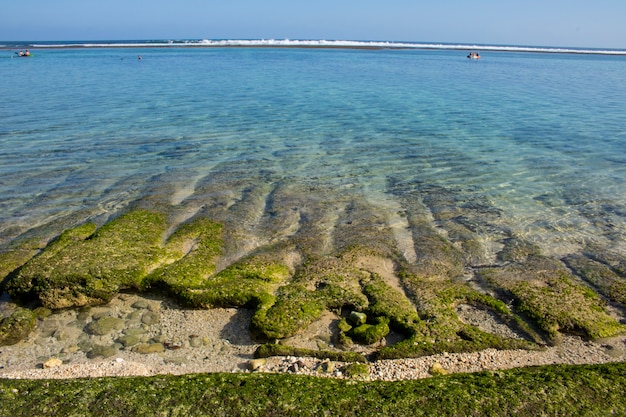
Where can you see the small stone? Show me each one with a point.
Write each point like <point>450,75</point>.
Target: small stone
<point>82,316</point>
<point>437,369</point>
<point>195,341</point>
<point>176,361</point>
<point>70,349</point>
<point>135,332</point>
<point>100,314</point>
<point>148,348</point>
<point>134,316</point>
<point>104,351</point>
<point>129,340</point>
<point>326,367</point>
<point>104,325</point>
<point>52,363</point>
<point>149,318</point>
<point>140,305</point>
<point>357,318</point>
<point>256,364</point>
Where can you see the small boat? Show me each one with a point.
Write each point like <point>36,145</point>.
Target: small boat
<point>21,54</point>
<point>473,55</point>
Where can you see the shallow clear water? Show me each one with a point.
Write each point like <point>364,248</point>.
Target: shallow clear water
<point>539,138</point>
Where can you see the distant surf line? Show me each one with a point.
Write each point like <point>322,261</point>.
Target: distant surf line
<point>312,43</point>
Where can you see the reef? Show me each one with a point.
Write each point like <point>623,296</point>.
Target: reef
<point>292,256</point>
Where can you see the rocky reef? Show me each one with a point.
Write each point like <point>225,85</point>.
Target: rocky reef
<point>392,280</point>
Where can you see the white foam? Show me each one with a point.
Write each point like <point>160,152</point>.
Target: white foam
<point>322,43</point>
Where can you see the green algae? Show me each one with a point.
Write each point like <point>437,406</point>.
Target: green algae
<point>385,301</point>
<point>600,276</point>
<point>439,328</point>
<point>587,390</point>
<point>88,266</point>
<point>17,326</point>
<point>545,291</point>
<point>274,349</point>
<point>369,334</point>
<point>194,247</point>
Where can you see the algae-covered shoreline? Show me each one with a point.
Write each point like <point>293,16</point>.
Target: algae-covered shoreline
<point>292,258</point>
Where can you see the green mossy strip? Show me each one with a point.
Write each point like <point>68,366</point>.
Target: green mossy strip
<point>440,329</point>
<point>385,301</point>
<point>590,390</point>
<point>17,326</point>
<point>195,247</point>
<point>546,292</point>
<point>273,349</point>
<point>327,283</point>
<point>12,259</point>
<point>88,266</point>
<point>600,276</point>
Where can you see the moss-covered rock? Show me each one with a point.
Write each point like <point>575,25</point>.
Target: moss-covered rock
<point>324,284</point>
<point>356,371</point>
<point>88,266</point>
<point>600,276</point>
<point>195,247</point>
<point>369,334</point>
<point>545,291</point>
<point>17,326</point>
<point>385,301</point>
<point>440,329</point>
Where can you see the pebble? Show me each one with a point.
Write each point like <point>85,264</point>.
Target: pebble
<point>52,362</point>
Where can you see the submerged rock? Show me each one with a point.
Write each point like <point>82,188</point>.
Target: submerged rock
<point>17,326</point>
<point>104,326</point>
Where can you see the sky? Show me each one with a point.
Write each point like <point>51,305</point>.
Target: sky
<point>569,23</point>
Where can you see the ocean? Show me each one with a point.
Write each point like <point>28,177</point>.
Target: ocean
<point>525,142</point>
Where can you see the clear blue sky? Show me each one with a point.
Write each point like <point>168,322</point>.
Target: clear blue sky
<point>583,23</point>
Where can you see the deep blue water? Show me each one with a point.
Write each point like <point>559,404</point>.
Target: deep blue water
<point>539,137</point>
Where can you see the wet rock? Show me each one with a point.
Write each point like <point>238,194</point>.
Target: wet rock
<point>102,351</point>
<point>149,318</point>
<point>16,327</point>
<point>129,340</point>
<point>357,318</point>
<point>256,364</point>
<point>104,326</point>
<point>437,369</point>
<point>140,304</point>
<point>148,348</point>
<point>48,327</point>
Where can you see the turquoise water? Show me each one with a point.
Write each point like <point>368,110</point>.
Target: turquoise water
<point>524,144</point>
